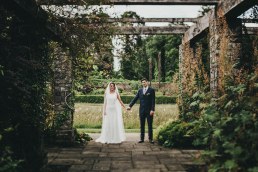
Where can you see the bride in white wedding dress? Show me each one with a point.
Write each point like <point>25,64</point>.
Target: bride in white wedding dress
<point>112,122</point>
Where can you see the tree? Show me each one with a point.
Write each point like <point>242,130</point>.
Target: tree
<point>134,62</point>
<point>168,46</point>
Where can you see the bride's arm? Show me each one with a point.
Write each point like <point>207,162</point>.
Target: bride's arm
<point>121,102</point>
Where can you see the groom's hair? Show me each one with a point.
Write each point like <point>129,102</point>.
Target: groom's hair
<point>144,79</point>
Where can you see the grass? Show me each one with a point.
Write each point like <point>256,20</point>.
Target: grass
<point>88,116</point>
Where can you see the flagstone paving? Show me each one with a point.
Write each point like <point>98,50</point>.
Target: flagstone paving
<point>128,156</point>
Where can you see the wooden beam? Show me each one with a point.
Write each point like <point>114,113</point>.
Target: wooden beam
<point>145,20</point>
<point>249,20</point>
<point>234,8</point>
<point>127,2</point>
<point>150,30</point>
<point>163,20</point>
<point>251,31</point>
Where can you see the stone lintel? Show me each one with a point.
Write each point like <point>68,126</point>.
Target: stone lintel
<point>234,8</point>
<point>196,29</point>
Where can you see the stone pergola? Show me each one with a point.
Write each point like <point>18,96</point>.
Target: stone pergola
<point>223,15</point>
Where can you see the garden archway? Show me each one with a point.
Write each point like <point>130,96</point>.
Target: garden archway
<point>225,42</point>
<point>221,23</point>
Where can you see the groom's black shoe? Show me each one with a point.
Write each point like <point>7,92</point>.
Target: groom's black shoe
<point>141,141</point>
<point>151,141</point>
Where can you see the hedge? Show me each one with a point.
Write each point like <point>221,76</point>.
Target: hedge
<point>125,98</point>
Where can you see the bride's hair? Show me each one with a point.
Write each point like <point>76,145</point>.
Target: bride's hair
<point>108,87</point>
<point>112,83</point>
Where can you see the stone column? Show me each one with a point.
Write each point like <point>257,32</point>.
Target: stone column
<point>226,51</point>
<point>214,55</point>
<point>234,49</point>
<point>62,95</point>
<point>181,57</point>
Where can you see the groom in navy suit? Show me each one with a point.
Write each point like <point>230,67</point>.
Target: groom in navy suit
<point>147,108</point>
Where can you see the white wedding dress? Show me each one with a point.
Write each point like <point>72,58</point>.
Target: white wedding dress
<point>112,123</point>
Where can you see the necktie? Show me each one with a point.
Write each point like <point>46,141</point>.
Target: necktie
<point>144,90</point>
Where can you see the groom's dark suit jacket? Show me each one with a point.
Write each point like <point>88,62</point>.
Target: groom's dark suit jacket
<point>147,100</point>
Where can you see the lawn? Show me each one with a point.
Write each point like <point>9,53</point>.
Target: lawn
<point>88,116</point>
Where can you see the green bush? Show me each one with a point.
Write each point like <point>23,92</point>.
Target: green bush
<point>231,125</point>
<point>176,134</point>
<point>125,98</point>
<point>227,127</point>
<point>89,98</point>
<point>81,138</point>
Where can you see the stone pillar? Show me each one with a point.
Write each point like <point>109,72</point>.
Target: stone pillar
<point>225,51</point>
<point>186,69</point>
<point>62,95</point>
<point>181,59</point>
<point>234,49</point>
<point>214,55</point>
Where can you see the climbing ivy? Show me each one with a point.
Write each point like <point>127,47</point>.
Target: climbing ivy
<point>26,77</point>
<point>25,67</point>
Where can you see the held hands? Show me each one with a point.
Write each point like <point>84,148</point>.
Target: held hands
<point>128,108</point>
<point>151,113</point>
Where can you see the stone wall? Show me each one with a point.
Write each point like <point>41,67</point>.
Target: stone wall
<point>62,87</point>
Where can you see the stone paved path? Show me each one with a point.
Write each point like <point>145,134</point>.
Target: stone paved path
<point>128,156</point>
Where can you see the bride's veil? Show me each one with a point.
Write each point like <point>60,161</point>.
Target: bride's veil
<point>106,118</point>
<point>107,91</point>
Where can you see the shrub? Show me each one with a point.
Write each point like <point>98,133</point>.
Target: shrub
<point>82,138</point>
<point>175,134</point>
<point>89,98</point>
<point>125,98</point>
<point>232,126</point>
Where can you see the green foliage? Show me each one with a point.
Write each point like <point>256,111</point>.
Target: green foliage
<point>137,52</point>
<point>185,131</point>
<point>90,98</point>
<point>232,126</point>
<point>125,98</point>
<point>7,162</point>
<point>226,127</point>
<point>190,106</point>
<point>1,70</point>
<point>168,46</point>
<point>25,69</point>
<point>175,134</point>
<point>98,92</point>
<point>82,138</point>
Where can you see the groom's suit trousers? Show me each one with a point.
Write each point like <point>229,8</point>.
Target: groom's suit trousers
<point>149,118</point>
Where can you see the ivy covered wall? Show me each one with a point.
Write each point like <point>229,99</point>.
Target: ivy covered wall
<point>24,72</point>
